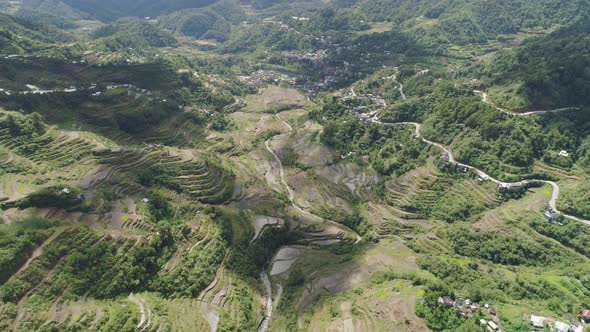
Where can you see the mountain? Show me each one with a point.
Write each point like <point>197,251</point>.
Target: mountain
<point>110,10</point>
<point>212,22</point>
<point>477,21</point>
<point>551,71</point>
<point>307,165</point>
<point>136,34</point>
<point>18,35</point>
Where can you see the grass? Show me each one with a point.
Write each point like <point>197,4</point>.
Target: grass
<point>376,27</point>
<point>357,271</point>
<point>275,98</point>
<point>377,307</point>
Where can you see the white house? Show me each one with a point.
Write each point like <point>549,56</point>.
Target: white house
<point>561,327</point>
<point>493,326</point>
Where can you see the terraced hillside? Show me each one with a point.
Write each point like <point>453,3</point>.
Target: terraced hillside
<point>294,166</point>
<point>100,170</point>
<point>104,268</point>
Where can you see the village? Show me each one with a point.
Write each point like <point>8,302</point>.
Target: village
<point>575,325</point>
<point>132,91</point>
<point>469,308</point>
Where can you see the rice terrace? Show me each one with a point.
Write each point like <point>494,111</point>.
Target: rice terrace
<point>272,165</point>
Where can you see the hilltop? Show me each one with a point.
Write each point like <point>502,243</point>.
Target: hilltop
<point>232,165</point>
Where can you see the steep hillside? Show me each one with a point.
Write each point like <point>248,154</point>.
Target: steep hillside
<point>111,9</point>
<point>547,72</point>
<point>134,34</point>
<point>18,35</point>
<point>308,165</point>
<point>211,22</point>
<point>464,21</point>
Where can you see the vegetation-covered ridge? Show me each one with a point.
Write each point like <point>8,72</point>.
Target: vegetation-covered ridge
<point>266,165</point>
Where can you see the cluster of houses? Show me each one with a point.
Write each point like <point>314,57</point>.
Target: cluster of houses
<point>12,56</point>
<point>540,322</point>
<point>286,27</point>
<point>132,91</point>
<point>34,90</point>
<point>318,57</point>
<point>262,78</point>
<point>468,308</point>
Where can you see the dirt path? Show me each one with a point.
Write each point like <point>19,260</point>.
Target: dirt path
<point>137,302</point>
<point>211,312</point>
<point>290,192</point>
<point>38,251</point>
<point>202,240</point>
<point>401,86</point>
<point>555,188</point>
<point>20,310</point>
<point>291,195</point>
<point>269,305</point>
<point>485,99</point>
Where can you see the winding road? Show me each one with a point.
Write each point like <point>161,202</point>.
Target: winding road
<point>485,99</point>
<point>484,175</point>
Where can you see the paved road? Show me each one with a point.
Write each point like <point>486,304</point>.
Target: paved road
<point>555,188</point>
<point>485,99</point>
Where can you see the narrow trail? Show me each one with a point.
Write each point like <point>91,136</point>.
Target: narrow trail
<point>137,302</point>
<point>485,99</point>
<point>555,188</point>
<point>20,310</point>
<point>401,86</point>
<point>38,252</point>
<point>205,238</point>
<point>290,192</point>
<point>269,304</point>
<point>264,325</point>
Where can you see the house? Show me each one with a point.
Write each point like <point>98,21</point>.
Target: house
<point>549,216</point>
<point>561,327</point>
<point>483,322</point>
<point>563,153</point>
<point>447,301</point>
<point>493,326</point>
<point>538,321</point>
<point>548,208</point>
<point>65,191</point>
<point>510,187</point>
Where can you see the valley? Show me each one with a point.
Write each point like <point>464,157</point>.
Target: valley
<point>223,165</point>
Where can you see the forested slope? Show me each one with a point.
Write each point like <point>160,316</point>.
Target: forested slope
<point>546,72</point>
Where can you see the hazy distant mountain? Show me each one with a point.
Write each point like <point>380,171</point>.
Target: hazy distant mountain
<point>109,10</point>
